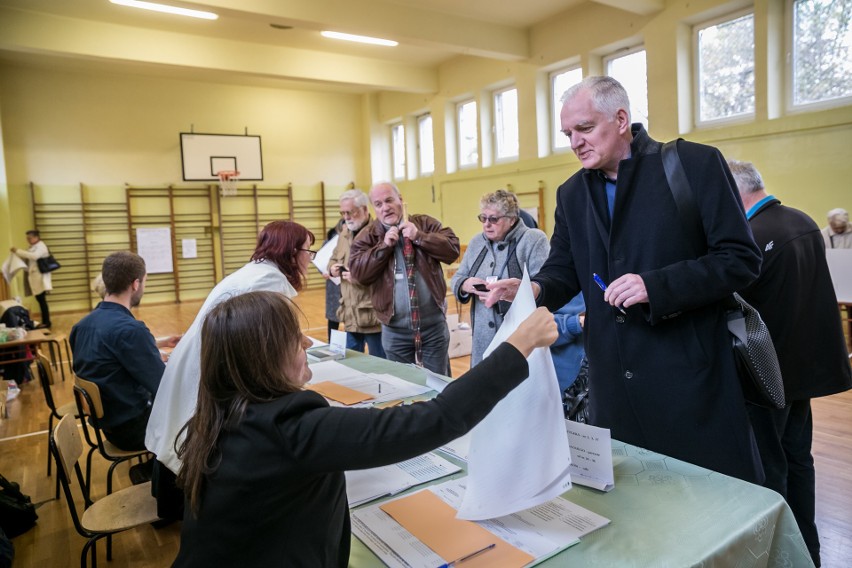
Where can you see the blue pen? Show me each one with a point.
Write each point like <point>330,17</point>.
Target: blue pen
<point>599,281</point>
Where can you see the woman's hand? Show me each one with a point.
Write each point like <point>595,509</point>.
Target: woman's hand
<point>538,330</point>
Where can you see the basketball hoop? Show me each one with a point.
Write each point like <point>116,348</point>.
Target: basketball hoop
<point>228,182</point>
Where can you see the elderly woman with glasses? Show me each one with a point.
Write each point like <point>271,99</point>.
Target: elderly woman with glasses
<point>279,264</point>
<point>502,250</point>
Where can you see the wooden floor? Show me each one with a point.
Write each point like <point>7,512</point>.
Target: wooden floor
<point>54,542</point>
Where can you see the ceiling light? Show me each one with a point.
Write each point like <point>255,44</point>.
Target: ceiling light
<point>167,9</point>
<point>360,39</point>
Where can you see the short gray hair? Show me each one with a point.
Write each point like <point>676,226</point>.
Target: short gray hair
<point>842,213</point>
<point>504,201</point>
<point>608,95</point>
<point>746,175</point>
<point>358,197</point>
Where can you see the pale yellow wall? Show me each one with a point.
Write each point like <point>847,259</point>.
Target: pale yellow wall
<point>805,157</point>
<point>104,129</point>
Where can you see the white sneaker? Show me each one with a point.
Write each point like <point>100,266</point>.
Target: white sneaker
<point>13,392</point>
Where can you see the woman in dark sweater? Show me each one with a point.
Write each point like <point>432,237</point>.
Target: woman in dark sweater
<point>263,459</point>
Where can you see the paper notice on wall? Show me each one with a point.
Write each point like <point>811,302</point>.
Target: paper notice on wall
<point>155,246</point>
<point>189,247</point>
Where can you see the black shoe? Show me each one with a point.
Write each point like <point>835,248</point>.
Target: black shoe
<point>141,472</point>
<point>42,326</point>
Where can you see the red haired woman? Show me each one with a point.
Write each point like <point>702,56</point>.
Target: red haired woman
<point>279,264</point>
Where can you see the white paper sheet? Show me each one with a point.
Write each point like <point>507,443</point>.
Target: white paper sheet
<point>519,455</point>
<point>189,248</point>
<point>154,244</point>
<point>365,485</point>
<point>458,448</point>
<point>12,265</point>
<point>324,255</point>
<point>591,456</point>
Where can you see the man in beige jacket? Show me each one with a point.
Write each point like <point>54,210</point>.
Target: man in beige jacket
<point>356,306</point>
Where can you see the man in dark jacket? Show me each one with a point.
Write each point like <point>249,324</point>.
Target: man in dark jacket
<point>662,371</point>
<point>796,299</point>
<point>399,257</point>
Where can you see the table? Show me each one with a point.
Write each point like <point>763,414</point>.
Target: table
<point>664,512</point>
<point>36,338</point>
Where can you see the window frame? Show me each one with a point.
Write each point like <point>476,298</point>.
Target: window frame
<point>790,72</point>
<point>556,108</point>
<point>393,151</point>
<point>494,130</point>
<point>459,105</point>
<point>607,61</point>
<point>696,66</point>
<point>420,119</point>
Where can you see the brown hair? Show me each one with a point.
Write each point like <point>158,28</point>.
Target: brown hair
<point>120,269</point>
<point>246,344</point>
<point>279,242</point>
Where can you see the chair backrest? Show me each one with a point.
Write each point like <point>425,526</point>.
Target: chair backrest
<point>68,443</point>
<point>93,396</point>
<point>45,378</point>
<point>66,446</point>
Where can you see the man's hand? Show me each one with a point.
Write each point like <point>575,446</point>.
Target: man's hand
<point>391,237</point>
<point>626,291</point>
<point>409,230</point>
<point>505,290</point>
<point>169,341</point>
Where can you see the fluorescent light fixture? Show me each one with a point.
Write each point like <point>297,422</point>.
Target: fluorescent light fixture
<point>167,9</point>
<point>360,39</point>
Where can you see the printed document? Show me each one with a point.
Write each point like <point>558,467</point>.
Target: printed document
<point>591,456</point>
<point>519,455</point>
<point>365,485</point>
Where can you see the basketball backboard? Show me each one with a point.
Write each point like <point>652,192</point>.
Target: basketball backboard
<point>203,155</point>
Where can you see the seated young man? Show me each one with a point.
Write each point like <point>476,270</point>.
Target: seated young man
<point>117,352</point>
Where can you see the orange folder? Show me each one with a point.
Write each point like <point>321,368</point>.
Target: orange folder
<point>339,393</point>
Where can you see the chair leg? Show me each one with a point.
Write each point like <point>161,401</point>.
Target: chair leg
<point>109,547</point>
<point>87,490</point>
<point>91,544</point>
<point>49,456</point>
<point>109,477</point>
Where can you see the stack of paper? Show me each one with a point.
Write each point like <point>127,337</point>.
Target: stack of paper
<point>365,485</point>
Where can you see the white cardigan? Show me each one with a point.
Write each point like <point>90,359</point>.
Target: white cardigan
<point>177,395</point>
<point>38,282</point>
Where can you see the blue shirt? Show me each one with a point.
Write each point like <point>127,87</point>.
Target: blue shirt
<point>754,208</point>
<point>118,353</point>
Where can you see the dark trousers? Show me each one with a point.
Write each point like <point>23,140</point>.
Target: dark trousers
<point>356,341</point>
<point>784,438</point>
<point>398,344</point>
<point>170,497</point>
<point>45,311</point>
<point>130,435</point>
<point>332,325</point>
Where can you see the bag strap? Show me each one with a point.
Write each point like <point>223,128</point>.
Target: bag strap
<point>684,199</point>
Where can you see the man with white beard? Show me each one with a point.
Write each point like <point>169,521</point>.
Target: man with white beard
<point>356,305</point>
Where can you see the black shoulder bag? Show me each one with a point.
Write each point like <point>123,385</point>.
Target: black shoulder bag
<point>757,362</point>
<point>47,264</point>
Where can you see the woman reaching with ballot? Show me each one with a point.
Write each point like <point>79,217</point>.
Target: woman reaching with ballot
<point>263,458</point>
<point>279,264</point>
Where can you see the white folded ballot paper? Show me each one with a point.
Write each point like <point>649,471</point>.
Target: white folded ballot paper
<point>519,455</point>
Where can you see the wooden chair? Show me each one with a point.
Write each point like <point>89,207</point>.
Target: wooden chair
<point>45,378</point>
<point>90,410</point>
<point>117,512</point>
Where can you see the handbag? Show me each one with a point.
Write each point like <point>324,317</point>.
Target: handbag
<point>575,398</point>
<point>47,264</point>
<point>754,352</point>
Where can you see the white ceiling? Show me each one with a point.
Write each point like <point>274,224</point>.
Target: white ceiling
<point>242,42</point>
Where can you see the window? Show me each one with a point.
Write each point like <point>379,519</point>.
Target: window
<point>427,147</point>
<point>561,81</point>
<point>468,134</point>
<point>725,52</point>
<point>630,70</point>
<point>398,151</point>
<point>506,123</point>
<point>822,50</point>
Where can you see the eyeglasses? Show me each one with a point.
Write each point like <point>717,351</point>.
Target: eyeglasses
<point>491,219</point>
<point>311,253</point>
<point>346,213</point>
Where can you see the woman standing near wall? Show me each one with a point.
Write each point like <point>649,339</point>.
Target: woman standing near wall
<point>37,283</point>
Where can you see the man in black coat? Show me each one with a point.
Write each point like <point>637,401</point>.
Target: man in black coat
<point>662,371</point>
<point>796,299</point>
